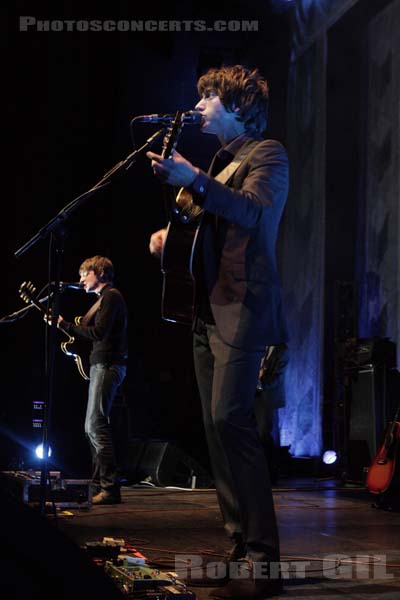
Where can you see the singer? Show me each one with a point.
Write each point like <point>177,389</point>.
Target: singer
<point>238,308</point>
<point>106,325</point>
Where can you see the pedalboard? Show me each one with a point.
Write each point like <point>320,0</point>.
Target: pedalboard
<point>143,582</point>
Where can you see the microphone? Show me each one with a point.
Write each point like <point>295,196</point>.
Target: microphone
<point>68,285</point>
<point>190,117</point>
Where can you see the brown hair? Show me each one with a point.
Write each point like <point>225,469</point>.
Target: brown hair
<point>101,265</point>
<point>239,87</point>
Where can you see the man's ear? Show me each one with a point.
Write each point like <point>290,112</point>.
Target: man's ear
<point>236,113</point>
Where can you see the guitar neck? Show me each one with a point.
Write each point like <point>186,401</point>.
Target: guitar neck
<point>169,143</point>
<point>37,304</point>
<point>27,293</point>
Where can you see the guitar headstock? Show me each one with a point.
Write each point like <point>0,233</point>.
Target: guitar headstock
<point>27,292</point>
<point>172,135</point>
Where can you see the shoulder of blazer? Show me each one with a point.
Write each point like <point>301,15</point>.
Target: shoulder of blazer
<point>265,150</point>
<point>267,147</point>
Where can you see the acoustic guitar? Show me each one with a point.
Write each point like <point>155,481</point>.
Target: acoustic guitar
<point>384,470</point>
<point>76,349</point>
<point>177,260</point>
<point>183,234</point>
<point>178,288</point>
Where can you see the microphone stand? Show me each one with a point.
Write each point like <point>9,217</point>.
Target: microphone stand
<point>19,314</point>
<point>57,231</point>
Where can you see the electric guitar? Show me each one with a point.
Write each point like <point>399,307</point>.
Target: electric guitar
<point>384,469</point>
<point>178,289</point>
<point>78,351</point>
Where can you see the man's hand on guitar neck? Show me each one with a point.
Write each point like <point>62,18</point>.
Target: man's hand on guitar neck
<point>157,241</point>
<point>175,170</point>
<point>47,319</point>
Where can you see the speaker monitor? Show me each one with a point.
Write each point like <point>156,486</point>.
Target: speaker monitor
<point>365,413</point>
<point>367,410</point>
<point>164,464</point>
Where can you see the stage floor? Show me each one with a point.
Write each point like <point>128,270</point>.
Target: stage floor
<point>334,543</point>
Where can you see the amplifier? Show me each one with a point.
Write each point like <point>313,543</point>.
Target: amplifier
<point>355,353</point>
<point>65,493</point>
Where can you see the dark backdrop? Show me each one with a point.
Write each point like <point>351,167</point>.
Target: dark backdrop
<point>70,99</point>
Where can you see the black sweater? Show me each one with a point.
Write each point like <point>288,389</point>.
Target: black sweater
<point>109,331</point>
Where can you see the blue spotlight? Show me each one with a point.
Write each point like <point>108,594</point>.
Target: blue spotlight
<point>329,457</point>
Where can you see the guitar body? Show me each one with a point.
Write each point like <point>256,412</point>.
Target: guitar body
<point>77,349</point>
<point>383,471</point>
<point>178,290</point>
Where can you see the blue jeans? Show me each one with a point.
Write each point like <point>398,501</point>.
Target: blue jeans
<point>103,387</point>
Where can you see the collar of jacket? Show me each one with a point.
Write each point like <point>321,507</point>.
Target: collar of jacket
<point>226,153</point>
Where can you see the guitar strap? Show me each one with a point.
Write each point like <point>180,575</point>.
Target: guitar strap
<point>229,170</point>
<point>191,210</point>
<point>85,320</point>
<point>226,173</point>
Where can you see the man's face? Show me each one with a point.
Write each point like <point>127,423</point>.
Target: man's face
<point>217,119</point>
<point>90,281</point>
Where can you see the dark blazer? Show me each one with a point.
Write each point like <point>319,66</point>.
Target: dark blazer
<point>237,243</point>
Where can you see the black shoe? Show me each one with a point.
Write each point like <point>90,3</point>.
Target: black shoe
<point>252,584</point>
<point>237,552</point>
<point>210,574</point>
<point>96,488</point>
<point>220,575</point>
<point>217,572</point>
<point>105,497</point>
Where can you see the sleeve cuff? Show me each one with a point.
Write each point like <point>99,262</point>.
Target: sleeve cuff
<point>199,187</point>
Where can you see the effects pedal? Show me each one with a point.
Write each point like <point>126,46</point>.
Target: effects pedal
<point>143,582</point>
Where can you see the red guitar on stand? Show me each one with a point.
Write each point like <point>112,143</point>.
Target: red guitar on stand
<point>384,472</point>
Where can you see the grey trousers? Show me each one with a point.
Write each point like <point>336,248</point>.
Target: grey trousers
<point>227,379</point>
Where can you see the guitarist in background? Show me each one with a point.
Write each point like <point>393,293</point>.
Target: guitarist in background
<point>106,325</point>
<point>239,309</point>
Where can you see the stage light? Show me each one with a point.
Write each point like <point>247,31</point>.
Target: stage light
<point>39,451</point>
<point>329,457</point>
